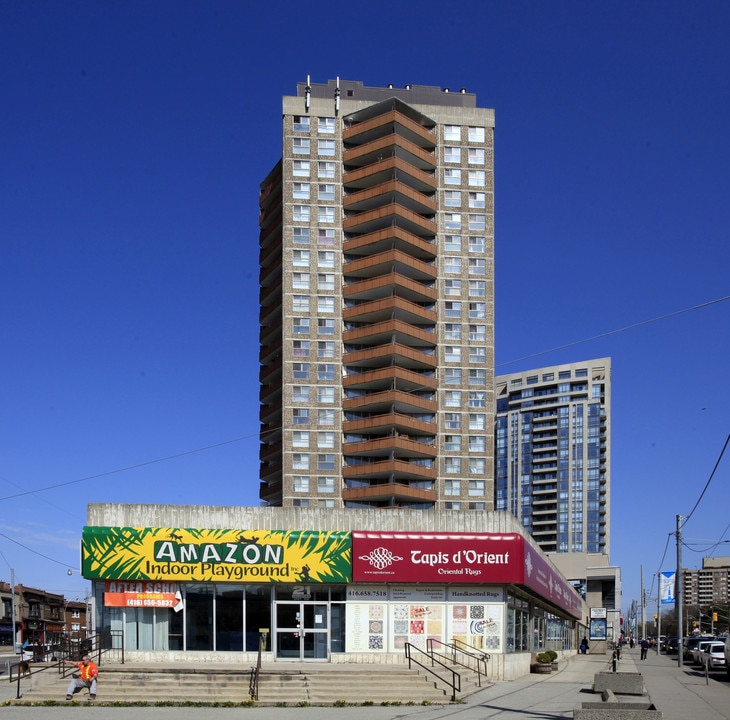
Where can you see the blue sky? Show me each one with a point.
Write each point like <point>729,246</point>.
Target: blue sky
<point>134,136</point>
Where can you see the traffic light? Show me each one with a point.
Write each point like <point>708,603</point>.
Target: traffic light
<point>714,617</point>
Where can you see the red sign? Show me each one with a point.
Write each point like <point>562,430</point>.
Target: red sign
<point>483,558</point>
<point>549,584</point>
<point>140,594</point>
<point>458,558</point>
<point>160,600</point>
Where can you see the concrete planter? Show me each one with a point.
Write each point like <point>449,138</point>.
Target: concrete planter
<point>621,683</point>
<point>617,711</point>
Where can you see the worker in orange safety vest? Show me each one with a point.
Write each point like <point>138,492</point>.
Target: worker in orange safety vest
<point>88,674</point>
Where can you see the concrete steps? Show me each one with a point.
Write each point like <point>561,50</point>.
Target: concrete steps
<point>314,685</point>
<point>377,686</point>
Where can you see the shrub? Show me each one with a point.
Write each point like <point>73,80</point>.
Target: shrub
<point>553,655</point>
<point>543,657</point>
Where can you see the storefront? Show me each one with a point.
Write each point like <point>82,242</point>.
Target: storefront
<point>326,595</point>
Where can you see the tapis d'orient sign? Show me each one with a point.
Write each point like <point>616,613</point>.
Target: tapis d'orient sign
<point>485,558</point>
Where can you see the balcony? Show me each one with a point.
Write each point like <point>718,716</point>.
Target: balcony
<point>399,444</point>
<point>383,379</point>
<point>391,237</point>
<point>390,168</point>
<point>387,285</point>
<point>390,261</point>
<point>392,354</point>
<point>397,400</point>
<point>387,192</point>
<point>392,306</point>
<point>391,331</point>
<point>387,124</point>
<point>391,145</point>
<point>391,421</point>
<point>387,215</point>
<point>393,493</point>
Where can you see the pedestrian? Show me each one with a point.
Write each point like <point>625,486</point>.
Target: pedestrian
<point>584,646</point>
<point>644,648</point>
<point>631,642</point>
<point>88,674</point>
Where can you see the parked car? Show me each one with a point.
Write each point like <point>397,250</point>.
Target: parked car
<point>727,656</point>
<point>670,645</point>
<point>689,644</point>
<point>713,656</point>
<point>701,645</point>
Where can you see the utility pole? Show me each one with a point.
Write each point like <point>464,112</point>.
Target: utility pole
<point>12,599</point>
<point>679,595</point>
<point>643,606</point>
<point>659,613</point>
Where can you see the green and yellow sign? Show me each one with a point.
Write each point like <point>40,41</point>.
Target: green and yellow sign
<point>186,554</point>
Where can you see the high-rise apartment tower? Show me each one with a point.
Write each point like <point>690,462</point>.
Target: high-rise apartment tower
<point>553,454</point>
<point>376,301</point>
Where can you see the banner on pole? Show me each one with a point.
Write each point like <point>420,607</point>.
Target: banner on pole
<point>666,587</point>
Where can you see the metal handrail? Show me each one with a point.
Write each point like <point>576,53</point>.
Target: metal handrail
<point>94,645</point>
<point>475,652</point>
<point>480,657</point>
<point>253,683</point>
<point>31,671</point>
<point>454,684</point>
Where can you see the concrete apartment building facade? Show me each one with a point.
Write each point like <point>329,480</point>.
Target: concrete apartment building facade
<point>709,585</point>
<point>377,311</point>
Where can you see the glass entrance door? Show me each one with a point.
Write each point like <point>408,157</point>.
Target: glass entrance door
<point>302,631</point>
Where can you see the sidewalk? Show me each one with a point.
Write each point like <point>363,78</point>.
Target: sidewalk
<point>681,694</point>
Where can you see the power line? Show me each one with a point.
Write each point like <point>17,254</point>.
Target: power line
<point>259,434</point>
<point>129,467</point>
<point>709,480</point>
<point>35,552</point>
<point>616,331</point>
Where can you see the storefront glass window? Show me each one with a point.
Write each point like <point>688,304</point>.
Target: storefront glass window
<point>199,617</point>
<point>229,618</point>
<point>518,624</point>
<point>258,615</point>
<point>139,628</point>
<point>337,627</point>
<point>538,631</point>
<point>175,629</point>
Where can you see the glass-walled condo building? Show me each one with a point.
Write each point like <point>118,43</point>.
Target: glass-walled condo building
<point>376,301</point>
<point>553,472</point>
<point>553,454</point>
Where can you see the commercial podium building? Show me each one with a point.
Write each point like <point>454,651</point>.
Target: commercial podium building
<point>204,584</point>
